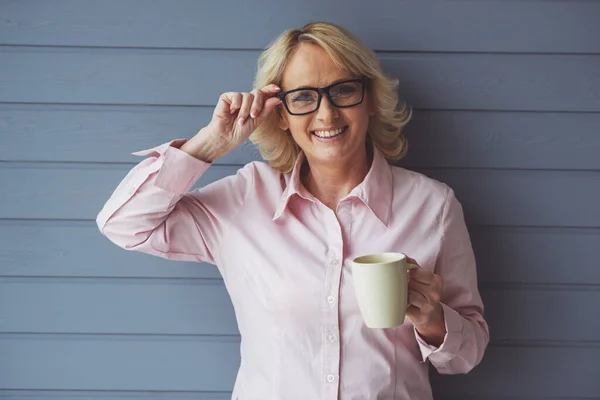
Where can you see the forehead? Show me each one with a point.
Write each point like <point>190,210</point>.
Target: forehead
<point>310,65</point>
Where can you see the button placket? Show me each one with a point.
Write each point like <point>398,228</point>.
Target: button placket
<point>331,346</point>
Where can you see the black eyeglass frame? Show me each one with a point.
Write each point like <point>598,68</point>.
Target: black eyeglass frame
<point>324,90</point>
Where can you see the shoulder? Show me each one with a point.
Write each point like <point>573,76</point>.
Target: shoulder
<point>419,185</point>
<point>261,170</point>
<point>262,175</point>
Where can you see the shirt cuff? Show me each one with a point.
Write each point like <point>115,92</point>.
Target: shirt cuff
<point>179,171</point>
<point>452,340</point>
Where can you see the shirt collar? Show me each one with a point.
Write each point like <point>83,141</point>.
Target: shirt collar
<point>375,191</point>
<point>293,186</point>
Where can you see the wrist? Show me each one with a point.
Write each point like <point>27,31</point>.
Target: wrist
<point>434,331</point>
<point>205,146</point>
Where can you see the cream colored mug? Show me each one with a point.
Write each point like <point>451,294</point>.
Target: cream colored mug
<point>381,287</point>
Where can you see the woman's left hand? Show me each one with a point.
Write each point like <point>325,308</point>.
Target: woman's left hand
<point>424,309</point>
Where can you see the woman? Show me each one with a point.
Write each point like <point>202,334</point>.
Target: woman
<point>326,119</point>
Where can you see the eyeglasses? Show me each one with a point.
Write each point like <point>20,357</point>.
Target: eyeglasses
<point>342,94</point>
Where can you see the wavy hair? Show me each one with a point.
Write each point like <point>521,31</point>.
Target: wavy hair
<point>349,53</point>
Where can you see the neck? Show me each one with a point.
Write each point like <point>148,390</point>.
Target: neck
<point>331,183</point>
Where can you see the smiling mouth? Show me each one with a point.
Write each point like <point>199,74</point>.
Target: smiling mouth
<point>330,134</point>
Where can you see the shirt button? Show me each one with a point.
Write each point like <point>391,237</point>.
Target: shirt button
<point>330,378</point>
<point>331,338</point>
<point>334,262</point>
<point>331,299</point>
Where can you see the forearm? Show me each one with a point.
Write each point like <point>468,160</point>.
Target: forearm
<point>147,195</point>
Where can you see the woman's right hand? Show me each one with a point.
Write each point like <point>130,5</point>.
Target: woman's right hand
<point>234,119</point>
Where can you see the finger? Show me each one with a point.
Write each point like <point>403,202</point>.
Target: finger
<point>257,104</point>
<point>411,260</point>
<point>421,275</point>
<point>432,293</point>
<point>271,89</point>
<point>223,105</point>
<point>417,299</point>
<point>269,106</point>
<point>236,102</point>
<point>244,112</point>
<point>413,312</point>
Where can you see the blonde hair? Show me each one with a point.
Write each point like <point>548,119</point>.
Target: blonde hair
<point>349,53</point>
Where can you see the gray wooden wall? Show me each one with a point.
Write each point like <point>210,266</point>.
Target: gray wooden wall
<point>507,111</point>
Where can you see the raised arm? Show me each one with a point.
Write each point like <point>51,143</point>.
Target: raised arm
<point>152,209</point>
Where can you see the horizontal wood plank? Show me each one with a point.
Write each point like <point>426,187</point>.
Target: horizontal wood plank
<point>112,395</point>
<point>523,372</point>
<point>81,362</point>
<point>199,307</point>
<point>455,139</point>
<point>196,395</point>
<point>504,255</point>
<point>189,77</point>
<point>490,197</point>
<point>556,26</point>
<point>532,255</point>
<point>191,307</point>
<point>131,363</point>
<point>525,198</point>
<point>62,248</point>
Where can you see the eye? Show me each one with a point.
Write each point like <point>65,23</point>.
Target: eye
<point>344,90</point>
<point>302,96</point>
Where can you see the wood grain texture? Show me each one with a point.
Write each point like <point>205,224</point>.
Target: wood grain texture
<point>524,26</point>
<point>197,77</point>
<point>525,314</point>
<point>454,139</point>
<point>166,363</point>
<point>504,255</point>
<point>490,197</point>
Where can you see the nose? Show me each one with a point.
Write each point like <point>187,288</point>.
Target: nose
<point>327,112</point>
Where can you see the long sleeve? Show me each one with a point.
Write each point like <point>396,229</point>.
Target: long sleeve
<point>153,211</point>
<point>467,333</point>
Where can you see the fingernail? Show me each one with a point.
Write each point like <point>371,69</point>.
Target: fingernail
<point>241,121</point>
<point>252,115</point>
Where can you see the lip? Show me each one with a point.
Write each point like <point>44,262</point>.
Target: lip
<point>330,139</point>
<point>329,129</point>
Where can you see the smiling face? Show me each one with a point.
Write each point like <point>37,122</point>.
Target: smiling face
<point>330,135</point>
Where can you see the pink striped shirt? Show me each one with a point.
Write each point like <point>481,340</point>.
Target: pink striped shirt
<point>284,259</point>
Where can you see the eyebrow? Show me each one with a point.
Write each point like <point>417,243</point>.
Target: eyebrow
<point>332,83</point>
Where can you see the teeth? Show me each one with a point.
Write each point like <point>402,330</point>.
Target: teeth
<point>328,134</point>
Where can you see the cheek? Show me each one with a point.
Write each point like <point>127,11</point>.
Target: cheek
<point>300,125</point>
<point>359,119</point>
